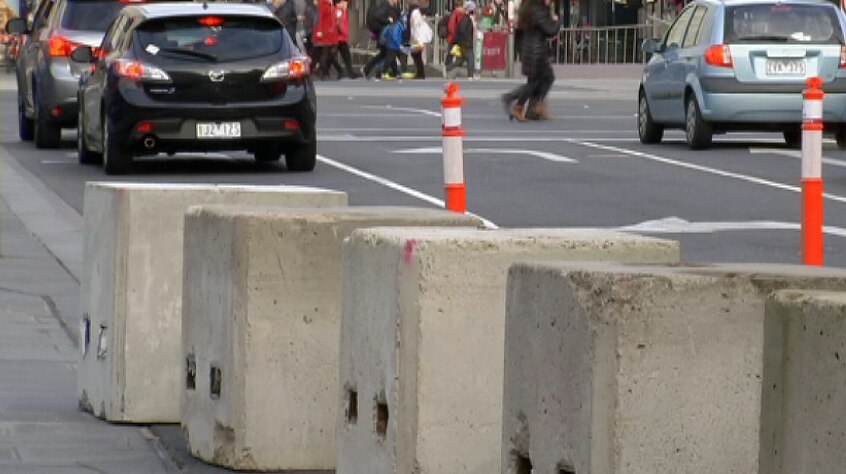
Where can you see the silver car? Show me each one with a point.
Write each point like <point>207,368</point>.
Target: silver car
<point>742,65</point>
<point>47,78</point>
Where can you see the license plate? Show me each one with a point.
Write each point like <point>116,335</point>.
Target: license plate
<point>219,130</point>
<point>785,67</point>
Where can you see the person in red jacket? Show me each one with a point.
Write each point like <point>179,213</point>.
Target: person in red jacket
<point>343,19</point>
<point>326,36</point>
<point>455,18</point>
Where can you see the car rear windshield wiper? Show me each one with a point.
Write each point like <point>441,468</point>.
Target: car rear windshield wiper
<point>780,39</point>
<point>188,52</point>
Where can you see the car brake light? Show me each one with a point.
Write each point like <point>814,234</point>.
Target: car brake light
<point>291,124</point>
<point>294,68</point>
<point>843,56</point>
<point>61,46</point>
<point>719,55</point>
<point>138,71</point>
<point>210,21</point>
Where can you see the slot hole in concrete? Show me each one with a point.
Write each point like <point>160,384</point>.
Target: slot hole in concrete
<point>87,335</point>
<point>214,382</point>
<point>352,407</point>
<point>191,372</point>
<point>522,464</point>
<point>381,420</point>
<point>565,470</point>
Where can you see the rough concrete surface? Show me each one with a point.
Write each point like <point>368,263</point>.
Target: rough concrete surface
<point>803,411</point>
<point>132,290</point>
<point>422,340</point>
<point>623,369</point>
<point>261,318</point>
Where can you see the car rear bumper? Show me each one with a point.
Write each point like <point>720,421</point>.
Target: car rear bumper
<point>767,107</point>
<point>57,94</point>
<point>173,126</point>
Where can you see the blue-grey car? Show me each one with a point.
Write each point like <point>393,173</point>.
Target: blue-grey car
<point>727,65</point>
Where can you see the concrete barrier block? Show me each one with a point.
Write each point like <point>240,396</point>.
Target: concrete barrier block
<point>261,330</point>
<point>631,369</point>
<point>132,290</point>
<point>422,340</point>
<point>803,411</point>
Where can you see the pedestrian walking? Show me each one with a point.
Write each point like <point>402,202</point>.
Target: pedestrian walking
<point>326,37</point>
<point>537,25</point>
<point>420,34</point>
<point>380,16</point>
<point>392,39</point>
<point>343,21</point>
<point>452,27</point>
<point>298,18</point>
<point>462,48</point>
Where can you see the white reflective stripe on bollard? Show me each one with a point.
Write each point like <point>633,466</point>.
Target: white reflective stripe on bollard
<point>453,160</point>
<point>452,117</point>
<point>812,110</point>
<point>812,153</point>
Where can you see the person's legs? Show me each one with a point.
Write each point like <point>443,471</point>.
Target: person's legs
<point>471,62</point>
<point>344,49</point>
<point>418,64</point>
<point>390,66</point>
<point>380,56</point>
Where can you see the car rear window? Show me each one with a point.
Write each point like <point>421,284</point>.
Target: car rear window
<point>90,15</point>
<point>782,23</point>
<point>215,38</point>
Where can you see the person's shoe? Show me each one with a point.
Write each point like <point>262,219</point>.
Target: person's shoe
<point>540,111</point>
<point>354,75</point>
<point>517,112</point>
<point>409,75</point>
<point>388,77</point>
<point>364,73</point>
<point>506,103</point>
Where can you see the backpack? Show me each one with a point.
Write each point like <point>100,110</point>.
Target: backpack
<point>374,20</point>
<point>443,27</point>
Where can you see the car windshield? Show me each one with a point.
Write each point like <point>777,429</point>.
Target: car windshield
<point>90,15</point>
<point>781,23</point>
<point>212,38</point>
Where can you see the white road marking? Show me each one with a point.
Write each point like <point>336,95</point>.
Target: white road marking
<point>524,139</point>
<point>675,225</point>
<point>704,169</point>
<point>395,186</point>
<point>58,162</point>
<point>403,109</point>
<point>504,151</point>
<point>794,154</point>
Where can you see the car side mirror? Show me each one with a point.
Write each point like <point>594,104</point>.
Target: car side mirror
<point>82,54</point>
<point>16,26</point>
<point>652,46</point>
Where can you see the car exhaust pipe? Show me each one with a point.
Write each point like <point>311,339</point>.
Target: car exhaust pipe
<point>149,143</point>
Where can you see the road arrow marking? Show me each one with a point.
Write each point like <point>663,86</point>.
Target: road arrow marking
<point>676,225</point>
<point>794,154</point>
<point>436,150</point>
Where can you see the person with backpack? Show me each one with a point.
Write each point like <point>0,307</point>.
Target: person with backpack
<point>392,39</point>
<point>463,39</point>
<point>453,20</point>
<point>379,16</point>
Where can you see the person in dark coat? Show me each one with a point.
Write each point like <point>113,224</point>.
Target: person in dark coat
<point>464,39</point>
<point>537,25</point>
<point>298,18</point>
<point>378,17</point>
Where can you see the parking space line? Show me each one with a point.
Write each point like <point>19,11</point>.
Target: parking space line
<point>395,186</point>
<point>704,169</point>
<point>436,150</point>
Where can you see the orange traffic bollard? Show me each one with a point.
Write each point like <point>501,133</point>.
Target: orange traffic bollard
<point>812,183</point>
<point>453,149</point>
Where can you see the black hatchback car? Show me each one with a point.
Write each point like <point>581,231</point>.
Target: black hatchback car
<point>174,77</point>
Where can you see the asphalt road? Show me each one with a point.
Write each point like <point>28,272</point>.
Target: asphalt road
<point>380,142</point>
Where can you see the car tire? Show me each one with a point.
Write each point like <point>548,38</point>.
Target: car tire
<point>840,137</point>
<point>793,137</point>
<point>86,156</point>
<point>698,132</point>
<point>268,154</point>
<point>116,160</point>
<point>648,131</point>
<point>47,134</point>
<point>25,125</point>
<point>302,157</point>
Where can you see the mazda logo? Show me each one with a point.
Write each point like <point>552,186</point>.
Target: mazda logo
<point>216,76</point>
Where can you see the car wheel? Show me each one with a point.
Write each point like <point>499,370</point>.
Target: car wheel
<point>302,157</point>
<point>116,160</point>
<point>268,154</point>
<point>698,132</point>
<point>86,156</point>
<point>647,129</point>
<point>793,137</point>
<point>840,137</point>
<point>47,134</point>
<point>25,125</point>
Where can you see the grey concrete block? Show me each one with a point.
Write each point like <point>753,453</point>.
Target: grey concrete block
<point>422,340</point>
<point>261,330</point>
<point>803,413</point>
<point>618,369</point>
<point>132,290</point>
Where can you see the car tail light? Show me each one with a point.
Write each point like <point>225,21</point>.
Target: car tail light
<point>144,127</point>
<point>138,71</point>
<point>294,68</point>
<point>719,55</point>
<point>843,55</point>
<point>291,124</point>
<point>61,46</point>
<point>210,21</point>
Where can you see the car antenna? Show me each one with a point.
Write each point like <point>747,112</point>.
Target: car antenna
<point>205,5</point>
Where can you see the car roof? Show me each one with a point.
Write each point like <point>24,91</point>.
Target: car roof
<point>183,8</point>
